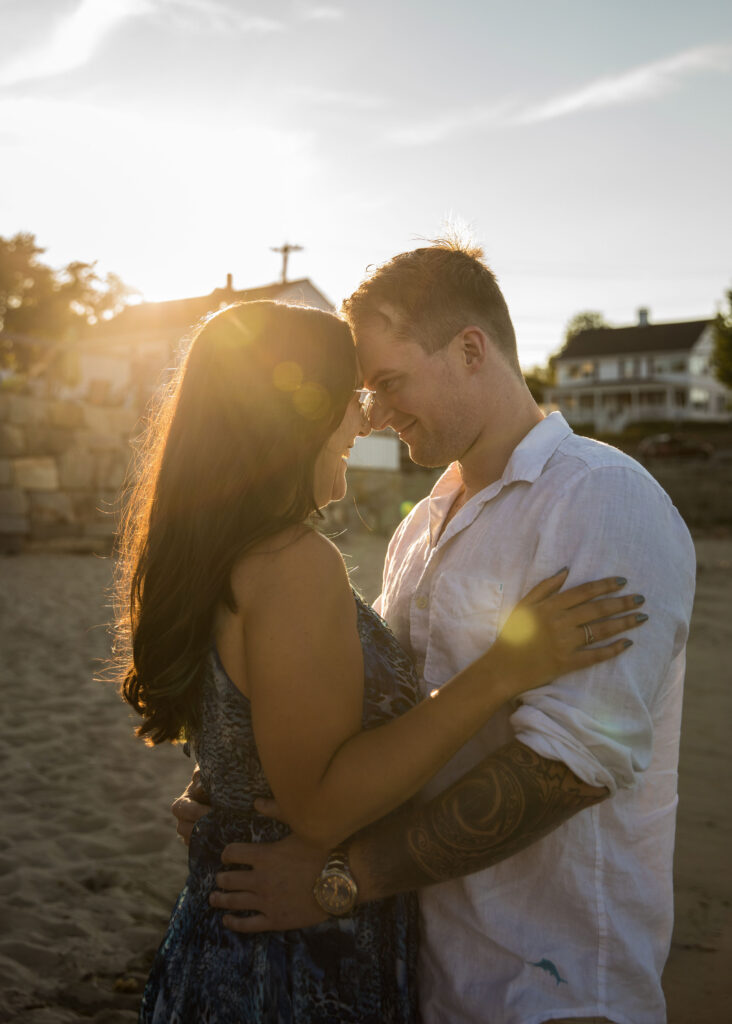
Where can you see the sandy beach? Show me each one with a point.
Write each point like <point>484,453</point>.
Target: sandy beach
<point>89,860</point>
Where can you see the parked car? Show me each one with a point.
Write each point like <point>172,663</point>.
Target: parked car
<point>674,446</point>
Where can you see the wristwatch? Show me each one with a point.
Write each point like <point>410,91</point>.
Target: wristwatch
<point>335,888</point>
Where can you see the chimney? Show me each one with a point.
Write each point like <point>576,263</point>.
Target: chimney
<point>643,317</point>
<point>229,282</point>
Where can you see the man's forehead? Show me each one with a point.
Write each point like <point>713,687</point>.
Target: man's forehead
<point>381,353</point>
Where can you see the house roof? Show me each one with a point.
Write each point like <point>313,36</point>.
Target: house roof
<point>180,314</point>
<point>607,341</point>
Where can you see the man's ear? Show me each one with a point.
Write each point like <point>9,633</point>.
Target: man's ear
<point>473,346</point>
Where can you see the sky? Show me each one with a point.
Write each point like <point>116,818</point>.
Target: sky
<point>585,144</point>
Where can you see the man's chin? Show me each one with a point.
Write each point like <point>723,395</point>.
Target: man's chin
<point>425,458</point>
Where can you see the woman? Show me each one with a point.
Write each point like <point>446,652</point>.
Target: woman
<point>243,635</point>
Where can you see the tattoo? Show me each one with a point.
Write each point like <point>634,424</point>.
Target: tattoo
<point>507,802</point>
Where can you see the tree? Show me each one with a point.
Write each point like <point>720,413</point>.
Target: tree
<point>587,320</point>
<point>50,305</point>
<point>722,357</point>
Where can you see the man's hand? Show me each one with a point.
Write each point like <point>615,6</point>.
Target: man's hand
<point>190,806</point>
<point>277,882</point>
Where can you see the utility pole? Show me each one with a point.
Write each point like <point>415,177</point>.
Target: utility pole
<point>285,251</point>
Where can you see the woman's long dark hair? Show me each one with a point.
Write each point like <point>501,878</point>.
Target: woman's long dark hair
<point>227,460</point>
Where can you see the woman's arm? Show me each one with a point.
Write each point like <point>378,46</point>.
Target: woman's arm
<point>304,672</point>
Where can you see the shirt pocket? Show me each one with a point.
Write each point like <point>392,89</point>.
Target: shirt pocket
<point>463,623</point>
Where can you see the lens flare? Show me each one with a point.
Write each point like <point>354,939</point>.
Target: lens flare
<point>311,401</point>
<point>287,376</point>
<point>520,628</point>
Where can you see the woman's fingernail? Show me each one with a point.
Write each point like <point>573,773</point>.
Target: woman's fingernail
<point>627,643</point>
<point>641,617</point>
<point>621,581</point>
<point>638,599</point>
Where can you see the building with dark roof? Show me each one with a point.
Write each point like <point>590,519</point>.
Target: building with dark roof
<point>179,315</point>
<point>608,377</point>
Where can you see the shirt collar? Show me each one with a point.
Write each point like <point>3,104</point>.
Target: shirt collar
<point>532,453</point>
<point>527,463</point>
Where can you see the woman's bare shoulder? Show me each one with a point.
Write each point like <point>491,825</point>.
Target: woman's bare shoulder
<point>296,562</point>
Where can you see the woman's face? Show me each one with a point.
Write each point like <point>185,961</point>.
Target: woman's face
<point>331,464</point>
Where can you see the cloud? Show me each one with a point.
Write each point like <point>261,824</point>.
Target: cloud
<point>645,82</point>
<point>75,39</point>
<point>78,35</point>
<point>322,12</point>
<point>642,83</point>
<point>214,15</point>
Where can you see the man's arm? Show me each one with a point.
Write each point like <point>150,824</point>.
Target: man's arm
<point>504,804</point>
<point>501,806</point>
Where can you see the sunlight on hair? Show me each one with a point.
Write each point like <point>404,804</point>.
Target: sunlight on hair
<point>459,234</point>
<point>287,376</point>
<point>520,628</point>
<point>311,401</point>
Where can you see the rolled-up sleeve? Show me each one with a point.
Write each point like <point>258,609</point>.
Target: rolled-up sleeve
<point>614,520</point>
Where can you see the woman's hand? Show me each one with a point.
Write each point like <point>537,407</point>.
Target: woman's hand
<point>190,806</point>
<point>548,632</point>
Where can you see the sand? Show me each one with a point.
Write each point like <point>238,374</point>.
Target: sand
<point>89,860</point>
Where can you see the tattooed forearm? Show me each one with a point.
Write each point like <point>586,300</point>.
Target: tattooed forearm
<point>507,802</point>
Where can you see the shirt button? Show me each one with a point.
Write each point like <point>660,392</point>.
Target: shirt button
<point>421,601</point>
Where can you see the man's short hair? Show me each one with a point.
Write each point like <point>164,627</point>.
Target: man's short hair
<point>437,290</point>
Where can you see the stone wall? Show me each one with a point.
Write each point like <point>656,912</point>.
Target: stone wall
<point>62,465</point>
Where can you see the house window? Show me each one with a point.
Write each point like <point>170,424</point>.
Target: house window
<point>680,398</point>
<point>587,370</point>
<point>698,365</point>
<point>651,397</point>
<point>587,401</point>
<point>669,364</point>
<point>699,398</point>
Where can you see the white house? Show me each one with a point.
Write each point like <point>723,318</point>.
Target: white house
<point>608,377</point>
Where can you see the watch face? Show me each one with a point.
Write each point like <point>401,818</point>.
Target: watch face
<point>336,893</point>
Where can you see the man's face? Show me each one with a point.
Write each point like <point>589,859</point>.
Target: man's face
<point>421,396</point>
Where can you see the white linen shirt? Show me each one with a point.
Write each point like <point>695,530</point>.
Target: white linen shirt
<point>579,923</point>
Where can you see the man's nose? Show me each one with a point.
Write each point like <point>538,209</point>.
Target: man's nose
<point>379,415</point>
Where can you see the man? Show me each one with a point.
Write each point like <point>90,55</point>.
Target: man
<point>530,911</point>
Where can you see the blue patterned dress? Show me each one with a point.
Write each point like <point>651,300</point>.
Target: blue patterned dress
<point>357,970</point>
